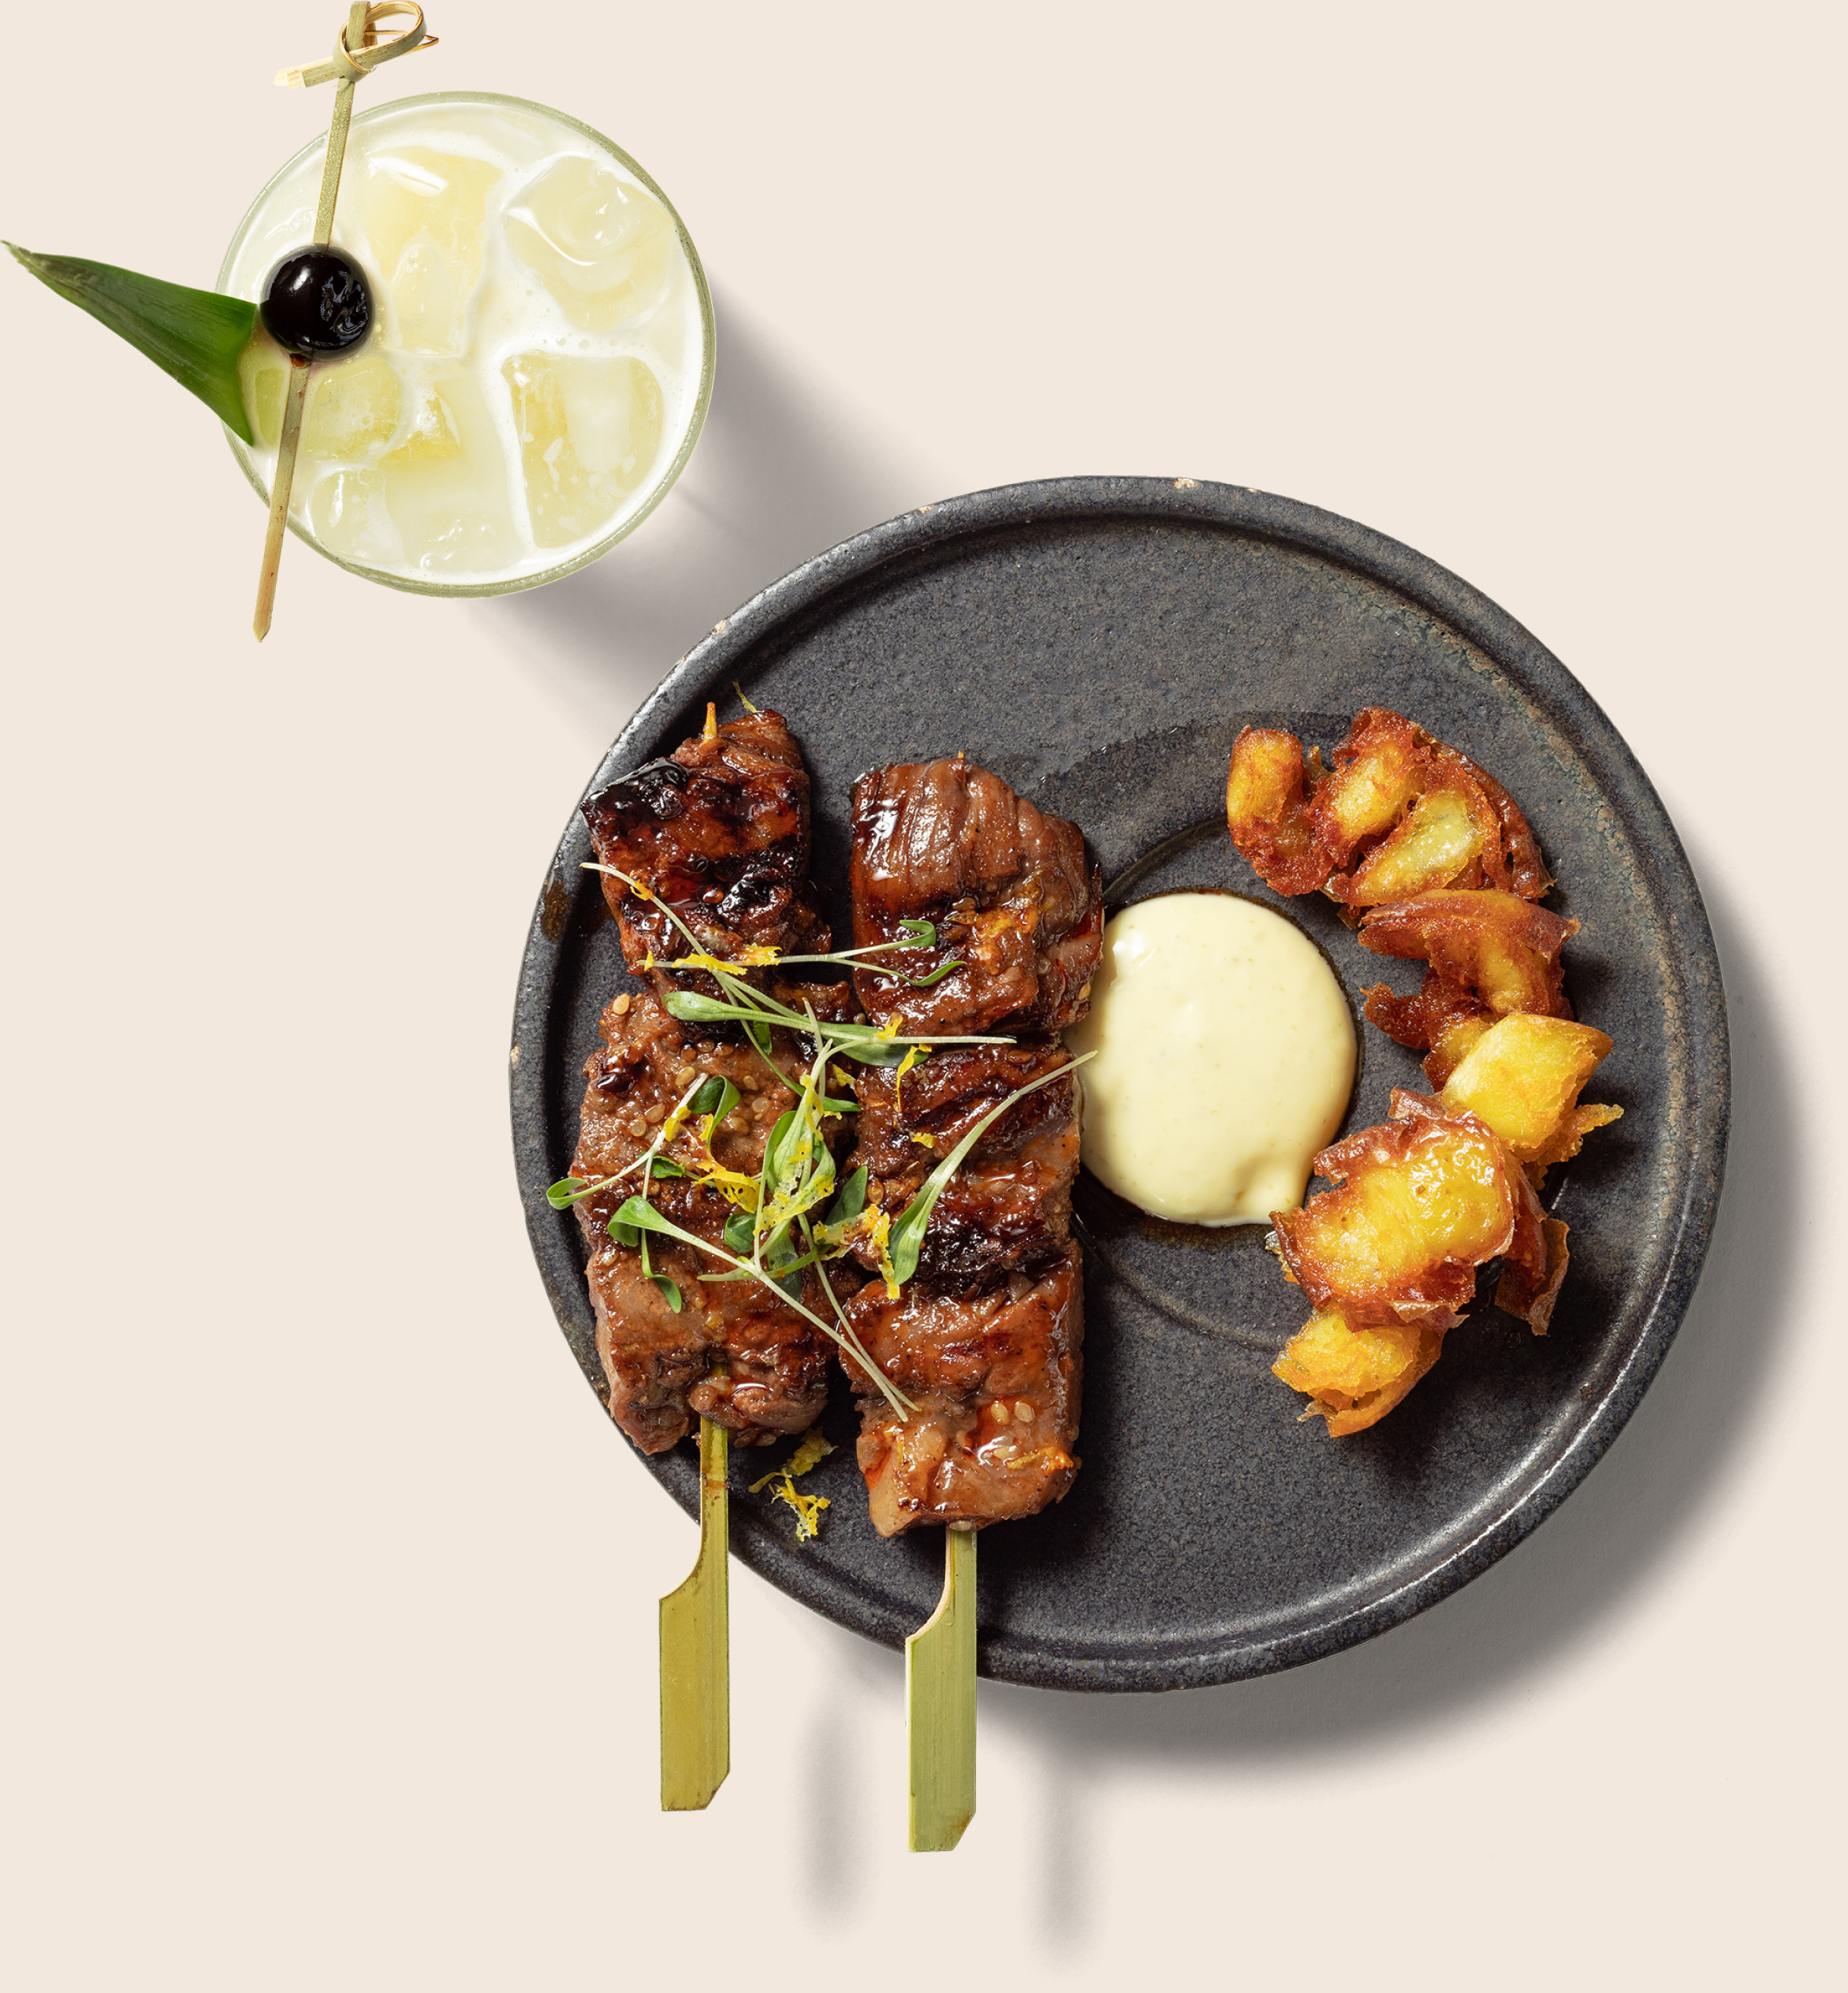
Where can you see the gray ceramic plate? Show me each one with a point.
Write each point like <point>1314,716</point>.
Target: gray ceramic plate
<point>1099,642</point>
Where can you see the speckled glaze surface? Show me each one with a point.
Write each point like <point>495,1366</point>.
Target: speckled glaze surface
<point>1099,642</point>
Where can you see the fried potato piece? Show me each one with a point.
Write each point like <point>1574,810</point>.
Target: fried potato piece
<point>1268,809</point>
<point>1439,1017</point>
<point>1495,946</point>
<point>1421,817</point>
<point>1354,1377</point>
<point>1529,1285</point>
<point>1418,1205</point>
<point>1376,777</point>
<point>1522,1079</point>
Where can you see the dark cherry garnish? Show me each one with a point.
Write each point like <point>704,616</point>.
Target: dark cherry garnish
<point>317,302</point>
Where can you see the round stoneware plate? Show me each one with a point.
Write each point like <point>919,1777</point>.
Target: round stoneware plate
<point>1099,642</point>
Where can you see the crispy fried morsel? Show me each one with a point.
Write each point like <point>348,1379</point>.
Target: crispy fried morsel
<point>1008,1207</point>
<point>995,1379</point>
<point>720,831</point>
<point>1522,1079</point>
<point>1267,790</point>
<point>1377,776</point>
<point>1420,1204</point>
<point>1356,1376</point>
<point>1419,816</point>
<point>1438,1014</point>
<point>734,1352</point>
<point>1529,1293</point>
<point>1013,901</point>
<point>1496,947</point>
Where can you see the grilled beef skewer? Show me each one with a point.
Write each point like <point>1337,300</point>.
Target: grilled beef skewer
<point>985,1336</point>
<point>720,831</point>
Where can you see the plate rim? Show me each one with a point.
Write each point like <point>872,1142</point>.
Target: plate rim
<point>1566,705</point>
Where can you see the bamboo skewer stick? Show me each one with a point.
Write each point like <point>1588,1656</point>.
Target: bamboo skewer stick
<point>695,1648</point>
<point>358,51</point>
<point>940,1704</point>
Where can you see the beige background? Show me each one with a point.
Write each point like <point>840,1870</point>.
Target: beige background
<point>329,1591</point>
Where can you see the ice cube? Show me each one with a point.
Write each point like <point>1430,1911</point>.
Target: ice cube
<point>604,249</point>
<point>353,407</point>
<point>348,514</point>
<point>589,431</point>
<point>445,484</point>
<point>424,214</point>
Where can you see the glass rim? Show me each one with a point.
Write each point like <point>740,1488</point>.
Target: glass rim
<point>702,401</point>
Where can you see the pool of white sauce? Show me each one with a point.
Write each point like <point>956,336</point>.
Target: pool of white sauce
<point>1225,1059</point>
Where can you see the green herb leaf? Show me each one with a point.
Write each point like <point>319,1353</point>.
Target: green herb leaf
<point>195,336</point>
<point>936,975</point>
<point>691,1007</point>
<point>907,1233</point>
<point>659,1166</point>
<point>563,1194</point>
<point>738,1232</point>
<point>716,1098</point>
<point>852,1202</point>
<point>668,1288</point>
<point>917,933</point>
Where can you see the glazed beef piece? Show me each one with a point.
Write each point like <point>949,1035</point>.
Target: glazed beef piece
<point>1008,889</point>
<point>985,1336</point>
<point>995,1380</point>
<point>720,831</point>
<point>1007,1209</point>
<point>735,1352</point>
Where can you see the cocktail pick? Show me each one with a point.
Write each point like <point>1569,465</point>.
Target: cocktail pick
<point>695,1648</point>
<point>939,1704</point>
<point>358,49</point>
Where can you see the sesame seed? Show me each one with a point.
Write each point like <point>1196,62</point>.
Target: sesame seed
<point>655,1114</point>
<point>685,1077</point>
<point>637,1126</point>
<point>622,1007</point>
<point>1024,1409</point>
<point>1003,1416</point>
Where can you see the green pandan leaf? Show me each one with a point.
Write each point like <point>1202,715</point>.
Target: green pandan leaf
<point>195,336</point>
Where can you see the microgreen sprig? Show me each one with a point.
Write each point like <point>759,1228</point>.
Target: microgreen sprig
<point>637,1211</point>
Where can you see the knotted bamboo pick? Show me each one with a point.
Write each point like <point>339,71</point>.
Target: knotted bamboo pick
<point>358,50</point>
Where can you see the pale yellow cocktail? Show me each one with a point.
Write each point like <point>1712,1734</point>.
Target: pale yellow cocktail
<point>541,354</point>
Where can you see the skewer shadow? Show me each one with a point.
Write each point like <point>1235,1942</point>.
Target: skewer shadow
<point>1599,1553</point>
<point>777,476</point>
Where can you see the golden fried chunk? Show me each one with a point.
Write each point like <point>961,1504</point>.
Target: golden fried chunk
<point>1418,816</point>
<point>1419,1205</point>
<point>1356,1376</point>
<point>1496,947</point>
<point>1439,1017</point>
<point>1521,1078</point>
<point>1378,776</point>
<point>1268,810</point>
<point>1529,1285</point>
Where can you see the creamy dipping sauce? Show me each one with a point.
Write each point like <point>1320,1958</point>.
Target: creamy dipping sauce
<point>1225,1057</point>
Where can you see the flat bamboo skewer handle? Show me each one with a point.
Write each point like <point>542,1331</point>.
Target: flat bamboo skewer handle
<point>695,1648</point>
<point>940,1705</point>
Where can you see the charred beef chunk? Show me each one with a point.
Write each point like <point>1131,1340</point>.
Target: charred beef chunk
<point>1008,889</point>
<point>719,833</point>
<point>995,1381</point>
<point>1008,1210</point>
<point>735,1352</point>
<point>986,1335</point>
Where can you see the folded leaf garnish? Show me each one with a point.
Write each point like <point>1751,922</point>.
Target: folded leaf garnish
<point>195,336</point>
